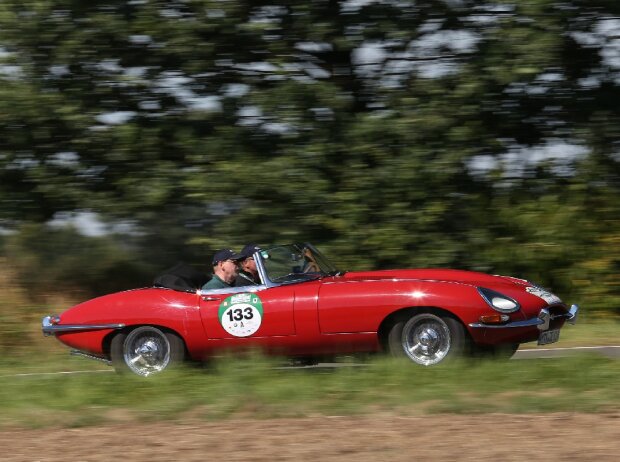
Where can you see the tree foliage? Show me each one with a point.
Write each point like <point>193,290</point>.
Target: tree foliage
<point>474,134</point>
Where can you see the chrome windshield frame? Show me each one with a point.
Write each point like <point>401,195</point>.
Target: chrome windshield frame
<point>262,270</point>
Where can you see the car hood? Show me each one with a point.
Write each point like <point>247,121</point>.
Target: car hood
<point>437,275</point>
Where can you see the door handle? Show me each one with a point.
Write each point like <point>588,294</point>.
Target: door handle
<point>211,299</point>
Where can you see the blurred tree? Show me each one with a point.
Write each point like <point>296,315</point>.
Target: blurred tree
<point>54,261</point>
<point>479,134</point>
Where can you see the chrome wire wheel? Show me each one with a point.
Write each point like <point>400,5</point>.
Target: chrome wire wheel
<point>146,351</point>
<point>426,339</point>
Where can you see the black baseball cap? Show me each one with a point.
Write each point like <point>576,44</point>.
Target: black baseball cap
<point>225,254</point>
<point>248,251</point>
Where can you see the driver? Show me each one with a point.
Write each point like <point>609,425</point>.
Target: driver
<point>248,274</point>
<point>224,270</point>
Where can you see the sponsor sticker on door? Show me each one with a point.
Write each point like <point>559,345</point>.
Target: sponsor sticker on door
<point>241,314</point>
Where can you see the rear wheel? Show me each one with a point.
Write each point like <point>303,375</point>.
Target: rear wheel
<point>146,350</point>
<point>427,339</point>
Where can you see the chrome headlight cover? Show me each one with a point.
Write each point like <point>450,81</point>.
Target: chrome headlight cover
<point>538,286</point>
<point>546,294</point>
<point>499,302</point>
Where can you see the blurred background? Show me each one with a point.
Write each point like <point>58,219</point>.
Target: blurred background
<point>480,135</point>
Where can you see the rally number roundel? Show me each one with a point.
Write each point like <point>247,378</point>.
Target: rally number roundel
<point>241,314</point>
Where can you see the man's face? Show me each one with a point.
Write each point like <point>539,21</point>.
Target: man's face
<point>249,265</point>
<point>228,270</point>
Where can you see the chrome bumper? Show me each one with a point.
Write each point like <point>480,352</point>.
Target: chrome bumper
<point>542,321</point>
<point>50,328</point>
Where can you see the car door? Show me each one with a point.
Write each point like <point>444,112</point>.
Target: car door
<point>248,312</point>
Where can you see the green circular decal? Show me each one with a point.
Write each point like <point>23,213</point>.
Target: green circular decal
<point>241,314</point>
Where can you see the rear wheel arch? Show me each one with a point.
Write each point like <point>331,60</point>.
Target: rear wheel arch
<point>107,340</point>
<point>168,339</point>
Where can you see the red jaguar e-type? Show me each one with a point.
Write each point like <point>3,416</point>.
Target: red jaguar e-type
<point>304,307</point>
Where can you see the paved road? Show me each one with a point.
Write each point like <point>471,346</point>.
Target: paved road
<point>612,351</point>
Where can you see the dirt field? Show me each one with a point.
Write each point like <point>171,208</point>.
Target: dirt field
<point>557,437</point>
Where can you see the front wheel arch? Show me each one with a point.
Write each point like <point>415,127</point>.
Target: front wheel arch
<point>406,313</point>
<point>106,344</point>
<point>400,317</point>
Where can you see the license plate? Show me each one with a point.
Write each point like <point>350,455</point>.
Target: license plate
<point>549,336</point>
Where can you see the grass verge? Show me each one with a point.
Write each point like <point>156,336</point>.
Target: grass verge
<point>256,387</point>
<point>586,333</point>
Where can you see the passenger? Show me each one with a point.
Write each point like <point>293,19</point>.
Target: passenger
<point>248,274</point>
<point>225,270</point>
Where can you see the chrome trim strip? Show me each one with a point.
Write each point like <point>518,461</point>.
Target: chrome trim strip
<point>527,323</point>
<point>545,317</point>
<point>572,319</point>
<point>89,356</point>
<point>542,321</point>
<point>52,329</point>
<point>213,293</point>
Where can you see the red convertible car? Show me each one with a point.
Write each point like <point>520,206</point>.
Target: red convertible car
<point>304,307</point>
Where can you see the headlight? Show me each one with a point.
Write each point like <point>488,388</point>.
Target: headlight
<point>499,302</point>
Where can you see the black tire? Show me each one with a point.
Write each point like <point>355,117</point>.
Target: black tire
<point>302,361</point>
<point>146,350</point>
<point>427,339</point>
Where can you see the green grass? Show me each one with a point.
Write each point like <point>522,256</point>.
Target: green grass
<point>591,333</point>
<point>259,388</point>
<point>256,387</point>
<point>55,359</point>
<point>587,333</point>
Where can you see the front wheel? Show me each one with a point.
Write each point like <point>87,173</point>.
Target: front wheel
<point>427,339</point>
<point>146,350</point>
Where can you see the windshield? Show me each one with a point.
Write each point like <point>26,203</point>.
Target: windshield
<point>296,262</point>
